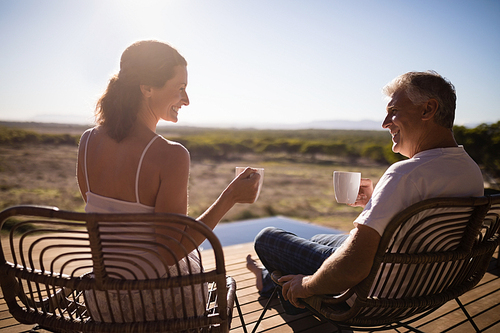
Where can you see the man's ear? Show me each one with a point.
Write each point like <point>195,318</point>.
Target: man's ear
<point>430,109</point>
<point>146,90</point>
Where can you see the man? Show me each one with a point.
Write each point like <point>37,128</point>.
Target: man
<point>420,117</point>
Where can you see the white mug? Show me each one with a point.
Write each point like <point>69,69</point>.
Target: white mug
<point>260,171</point>
<point>346,186</point>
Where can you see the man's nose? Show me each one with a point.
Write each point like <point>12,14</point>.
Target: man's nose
<point>387,121</point>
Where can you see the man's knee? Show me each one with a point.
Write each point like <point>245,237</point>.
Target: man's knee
<point>264,235</point>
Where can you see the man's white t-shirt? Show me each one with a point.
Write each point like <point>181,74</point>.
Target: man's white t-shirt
<point>440,172</point>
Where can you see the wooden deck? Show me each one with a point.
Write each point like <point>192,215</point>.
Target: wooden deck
<point>483,303</point>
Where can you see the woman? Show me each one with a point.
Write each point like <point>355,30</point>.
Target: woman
<point>125,167</point>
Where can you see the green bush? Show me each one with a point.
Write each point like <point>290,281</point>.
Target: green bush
<point>482,142</point>
<point>11,136</point>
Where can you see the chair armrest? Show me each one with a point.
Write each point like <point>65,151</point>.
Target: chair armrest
<point>316,300</point>
<point>231,295</point>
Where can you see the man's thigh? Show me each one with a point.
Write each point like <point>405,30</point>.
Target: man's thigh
<point>285,251</point>
<point>332,240</point>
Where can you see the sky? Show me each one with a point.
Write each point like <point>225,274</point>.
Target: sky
<point>251,63</point>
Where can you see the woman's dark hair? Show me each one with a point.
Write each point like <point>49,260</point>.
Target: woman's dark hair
<point>142,63</point>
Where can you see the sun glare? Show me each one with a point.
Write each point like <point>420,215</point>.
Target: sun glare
<point>146,16</point>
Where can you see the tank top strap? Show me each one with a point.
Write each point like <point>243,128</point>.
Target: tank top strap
<point>85,160</point>
<point>139,168</point>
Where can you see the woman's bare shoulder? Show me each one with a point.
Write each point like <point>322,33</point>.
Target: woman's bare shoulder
<point>169,149</point>
<point>169,159</point>
<point>83,140</point>
<point>86,134</point>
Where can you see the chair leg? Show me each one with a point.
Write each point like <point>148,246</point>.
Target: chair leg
<point>273,295</point>
<point>498,256</point>
<point>240,314</point>
<point>467,315</point>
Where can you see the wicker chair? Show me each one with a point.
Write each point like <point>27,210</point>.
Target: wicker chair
<point>430,253</point>
<point>68,271</point>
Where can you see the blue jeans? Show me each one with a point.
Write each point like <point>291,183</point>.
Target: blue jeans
<point>285,251</point>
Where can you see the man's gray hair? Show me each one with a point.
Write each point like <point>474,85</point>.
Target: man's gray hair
<point>422,86</point>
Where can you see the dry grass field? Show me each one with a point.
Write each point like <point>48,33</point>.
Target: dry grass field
<point>295,189</point>
<point>45,175</point>
<point>39,174</point>
<point>301,189</point>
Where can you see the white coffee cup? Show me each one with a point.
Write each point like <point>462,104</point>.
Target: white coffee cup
<point>346,186</point>
<point>260,171</point>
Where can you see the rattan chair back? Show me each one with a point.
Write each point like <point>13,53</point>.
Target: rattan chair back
<point>70,271</point>
<point>430,253</point>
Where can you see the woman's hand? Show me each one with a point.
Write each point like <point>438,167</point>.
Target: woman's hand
<point>364,194</point>
<point>244,187</point>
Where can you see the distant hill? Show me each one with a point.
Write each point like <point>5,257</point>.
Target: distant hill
<point>61,121</point>
<point>342,124</point>
<point>368,125</point>
<point>47,128</point>
<point>58,123</point>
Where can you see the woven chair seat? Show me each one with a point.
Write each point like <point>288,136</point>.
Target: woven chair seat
<point>68,271</point>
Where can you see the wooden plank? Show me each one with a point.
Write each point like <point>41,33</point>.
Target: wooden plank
<point>10,325</point>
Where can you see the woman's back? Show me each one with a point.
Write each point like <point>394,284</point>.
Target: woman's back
<point>125,174</point>
<point>111,168</point>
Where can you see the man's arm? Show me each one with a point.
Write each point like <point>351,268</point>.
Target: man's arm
<point>345,268</point>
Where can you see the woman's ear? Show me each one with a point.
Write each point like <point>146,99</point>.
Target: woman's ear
<point>430,109</point>
<point>146,90</point>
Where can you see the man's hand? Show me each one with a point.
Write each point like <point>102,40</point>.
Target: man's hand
<point>364,194</point>
<point>295,287</point>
